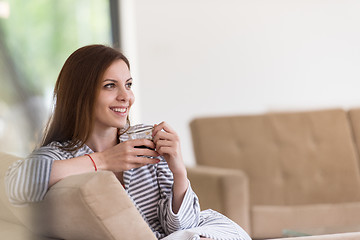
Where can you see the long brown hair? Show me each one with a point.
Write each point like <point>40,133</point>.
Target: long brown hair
<point>75,93</point>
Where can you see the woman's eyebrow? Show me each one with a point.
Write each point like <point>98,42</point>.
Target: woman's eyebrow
<point>110,80</point>
<point>113,80</point>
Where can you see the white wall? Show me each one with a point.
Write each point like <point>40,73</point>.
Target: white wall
<point>225,57</point>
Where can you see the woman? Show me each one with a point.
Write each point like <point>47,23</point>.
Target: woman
<point>93,98</point>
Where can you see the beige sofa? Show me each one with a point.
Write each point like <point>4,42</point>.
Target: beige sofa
<point>276,171</point>
<point>87,206</point>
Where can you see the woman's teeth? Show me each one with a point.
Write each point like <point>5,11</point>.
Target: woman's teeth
<point>121,110</point>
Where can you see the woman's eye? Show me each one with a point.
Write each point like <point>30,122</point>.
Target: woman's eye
<point>129,84</point>
<point>109,85</point>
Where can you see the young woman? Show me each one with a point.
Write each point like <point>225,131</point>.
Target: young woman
<point>93,98</point>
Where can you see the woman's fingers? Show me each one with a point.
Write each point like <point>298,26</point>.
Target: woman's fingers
<point>131,154</point>
<point>167,148</point>
<point>138,161</point>
<point>146,152</point>
<point>143,147</point>
<point>141,142</point>
<point>167,151</point>
<point>164,136</point>
<point>164,143</point>
<point>165,126</point>
<point>167,134</point>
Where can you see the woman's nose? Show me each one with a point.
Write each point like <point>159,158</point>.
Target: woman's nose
<point>123,95</point>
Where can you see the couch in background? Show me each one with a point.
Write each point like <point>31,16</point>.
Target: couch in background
<point>276,171</point>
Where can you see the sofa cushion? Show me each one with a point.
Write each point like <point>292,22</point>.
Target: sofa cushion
<point>270,221</point>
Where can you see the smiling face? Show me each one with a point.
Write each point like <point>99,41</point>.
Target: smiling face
<point>115,97</point>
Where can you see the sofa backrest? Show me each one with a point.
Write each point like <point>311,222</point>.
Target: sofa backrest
<point>290,158</point>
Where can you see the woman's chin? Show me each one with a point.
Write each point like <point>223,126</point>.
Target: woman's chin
<point>122,126</point>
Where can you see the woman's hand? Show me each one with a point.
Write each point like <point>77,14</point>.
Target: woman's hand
<point>121,157</point>
<point>167,144</point>
<point>125,156</point>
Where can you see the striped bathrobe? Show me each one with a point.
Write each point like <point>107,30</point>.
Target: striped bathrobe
<point>149,187</point>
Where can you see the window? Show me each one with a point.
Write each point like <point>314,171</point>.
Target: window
<point>36,37</point>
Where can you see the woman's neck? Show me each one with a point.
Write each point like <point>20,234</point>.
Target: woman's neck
<point>102,140</point>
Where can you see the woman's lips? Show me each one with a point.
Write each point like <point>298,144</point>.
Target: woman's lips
<point>119,110</point>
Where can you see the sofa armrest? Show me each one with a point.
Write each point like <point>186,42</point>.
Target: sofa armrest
<point>223,190</point>
<point>88,206</point>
